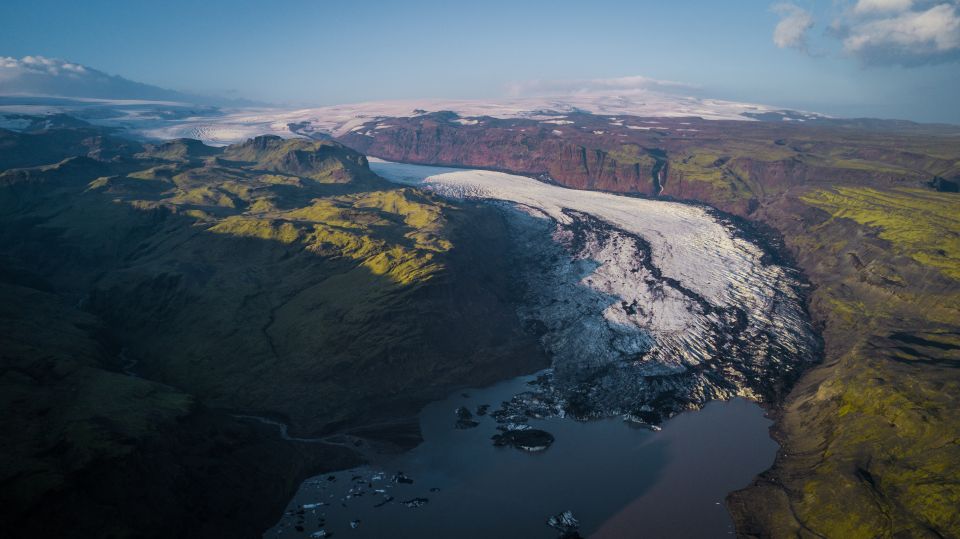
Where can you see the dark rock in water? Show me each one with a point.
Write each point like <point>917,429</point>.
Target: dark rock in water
<point>400,477</point>
<point>434,489</point>
<point>566,524</point>
<point>416,502</point>
<point>386,499</point>
<point>463,413</point>
<point>331,478</point>
<point>482,409</point>
<point>536,404</point>
<point>465,419</point>
<point>563,521</point>
<point>531,440</point>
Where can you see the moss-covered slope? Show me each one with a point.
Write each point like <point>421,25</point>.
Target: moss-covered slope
<point>870,438</point>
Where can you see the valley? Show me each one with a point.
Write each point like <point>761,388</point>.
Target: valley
<point>635,336</point>
<point>244,302</point>
<point>493,269</point>
<point>866,209</point>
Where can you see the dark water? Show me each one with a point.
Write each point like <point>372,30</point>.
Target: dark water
<point>619,481</point>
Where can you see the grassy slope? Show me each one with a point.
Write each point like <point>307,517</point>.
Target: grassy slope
<point>870,440</point>
<point>302,288</point>
<point>918,223</point>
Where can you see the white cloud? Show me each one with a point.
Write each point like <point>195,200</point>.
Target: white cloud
<point>39,75</point>
<point>791,31</point>
<point>629,84</point>
<point>882,6</point>
<point>12,67</point>
<point>908,38</point>
<point>42,76</point>
<point>881,32</point>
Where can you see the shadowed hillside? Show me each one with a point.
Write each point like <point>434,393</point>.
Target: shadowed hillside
<point>154,293</point>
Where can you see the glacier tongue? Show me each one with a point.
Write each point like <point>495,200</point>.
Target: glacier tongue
<point>646,307</point>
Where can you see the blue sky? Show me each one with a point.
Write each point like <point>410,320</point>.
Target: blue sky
<point>844,58</point>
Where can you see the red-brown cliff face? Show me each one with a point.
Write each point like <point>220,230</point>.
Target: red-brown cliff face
<point>520,146</point>
<point>732,165</point>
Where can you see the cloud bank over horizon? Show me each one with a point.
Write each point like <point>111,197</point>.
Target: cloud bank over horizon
<point>628,84</point>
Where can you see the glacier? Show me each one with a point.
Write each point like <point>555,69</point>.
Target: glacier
<point>646,307</point>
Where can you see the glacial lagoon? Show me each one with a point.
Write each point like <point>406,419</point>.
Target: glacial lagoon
<point>618,480</point>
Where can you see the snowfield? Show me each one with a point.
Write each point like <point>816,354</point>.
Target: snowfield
<point>341,119</point>
<point>231,125</point>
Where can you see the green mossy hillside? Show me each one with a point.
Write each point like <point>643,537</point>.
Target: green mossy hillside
<point>870,438</point>
<point>922,224</point>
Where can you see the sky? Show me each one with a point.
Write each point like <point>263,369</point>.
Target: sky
<point>877,58</point>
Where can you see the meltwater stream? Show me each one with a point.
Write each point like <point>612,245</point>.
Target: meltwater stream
<point>617,480</point>
<point>648,310</point>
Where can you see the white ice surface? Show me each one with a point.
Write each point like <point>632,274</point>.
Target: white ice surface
<point>588,318</point>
